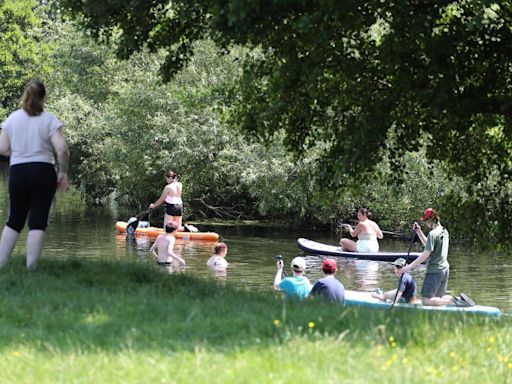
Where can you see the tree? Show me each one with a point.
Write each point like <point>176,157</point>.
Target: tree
<point>347,74</point>
<point>22,56</point>
<point>362,79</point>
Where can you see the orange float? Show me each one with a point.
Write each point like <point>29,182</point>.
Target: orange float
<point>154,232</point>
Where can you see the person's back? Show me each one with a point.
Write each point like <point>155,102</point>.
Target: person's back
<point>329,287</point>
<point>296,286</point>
<point>174,189</point>
<point>408,288</point>
<point>163,244</point>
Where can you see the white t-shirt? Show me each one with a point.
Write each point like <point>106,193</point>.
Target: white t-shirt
<point>29,136</point>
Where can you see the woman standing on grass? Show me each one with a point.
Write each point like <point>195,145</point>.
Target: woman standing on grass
<point>29,137</point>
<point>367,231</point>
<point>171,195</point>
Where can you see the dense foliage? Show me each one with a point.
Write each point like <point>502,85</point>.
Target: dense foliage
<point>362,80</point>
<point>347,74</point>
<point>126,128</point>
<point>22,55</point>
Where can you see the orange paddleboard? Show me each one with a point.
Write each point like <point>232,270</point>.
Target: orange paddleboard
<point>154,232</point>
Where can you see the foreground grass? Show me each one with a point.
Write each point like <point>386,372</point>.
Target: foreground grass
<point>88,321</point>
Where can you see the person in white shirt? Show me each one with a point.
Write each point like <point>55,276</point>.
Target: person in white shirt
<point>30,136</point>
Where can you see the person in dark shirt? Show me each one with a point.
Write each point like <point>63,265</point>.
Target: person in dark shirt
<point>328,287</point>
<point>406,291</point>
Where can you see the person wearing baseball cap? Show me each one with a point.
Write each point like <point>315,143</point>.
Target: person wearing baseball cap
<point>296,286</point>
<point>329,287</point>
<point>435,255</point>
<point>407,289</point>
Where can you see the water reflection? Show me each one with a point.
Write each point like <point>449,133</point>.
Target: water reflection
<point>79,231</point>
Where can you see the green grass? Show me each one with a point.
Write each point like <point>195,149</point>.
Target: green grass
<point>94,322</point>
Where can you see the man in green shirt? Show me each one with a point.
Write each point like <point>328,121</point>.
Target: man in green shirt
<point>435,254</point>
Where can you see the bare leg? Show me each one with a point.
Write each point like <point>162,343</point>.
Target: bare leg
<point>167,218</point>
<point>177,220</point>
<point>7,244</point>
<point>348,245</point>
<point>35,240</point>
<point>389,295</point>
<point>437,301</point>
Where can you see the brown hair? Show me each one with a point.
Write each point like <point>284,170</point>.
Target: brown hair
<point>170,227</point>
<point>220,247</point>
<point>32,100</point>
<point>172,175</point>
<point>365,212</point>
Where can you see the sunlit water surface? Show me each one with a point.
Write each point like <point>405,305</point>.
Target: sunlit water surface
<point>79,231</point>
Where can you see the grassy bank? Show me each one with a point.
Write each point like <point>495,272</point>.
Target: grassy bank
<point>90,321</point>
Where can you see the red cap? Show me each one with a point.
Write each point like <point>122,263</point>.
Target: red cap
<point>329,265</point>
<point>429,212</point>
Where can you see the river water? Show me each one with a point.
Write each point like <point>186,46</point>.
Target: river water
<point>88,232</point>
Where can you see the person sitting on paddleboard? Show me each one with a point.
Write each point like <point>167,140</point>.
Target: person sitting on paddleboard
<point>218,261</point>
<point>164,245</point>
<point>171,195</point>
<point>367,231</point>
<point>406,290</point>
<point>329,287</point>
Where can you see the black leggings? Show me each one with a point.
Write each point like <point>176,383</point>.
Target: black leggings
<point>32,187</point>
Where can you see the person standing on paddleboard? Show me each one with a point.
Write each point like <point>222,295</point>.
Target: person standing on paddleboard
<point>171,195</point>
<point>367,231</point>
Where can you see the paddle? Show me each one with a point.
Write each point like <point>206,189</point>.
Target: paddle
<point>413,237</point>
<point>402,236</point>
<point>132,225</point>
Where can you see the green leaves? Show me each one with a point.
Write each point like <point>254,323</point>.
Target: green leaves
<point>22,56</point>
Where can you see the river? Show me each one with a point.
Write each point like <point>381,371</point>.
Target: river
<point>88,232</point>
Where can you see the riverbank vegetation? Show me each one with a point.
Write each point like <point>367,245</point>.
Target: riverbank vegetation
<point>126,127</point>
<point>77,320</point>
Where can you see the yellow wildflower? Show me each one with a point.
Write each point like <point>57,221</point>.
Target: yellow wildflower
<point>277,322</point>
<point>311,324</point>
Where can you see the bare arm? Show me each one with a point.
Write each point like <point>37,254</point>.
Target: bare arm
<point>353,232</point>
<point>378,232</point>
<point>279,275</point>
<point>61,148</point>
<point>424,256</point>
<point>152,249</point>
<point>420,233</point>
<point>176,257</point>
<point>5,144</point>
<point>160,199</point>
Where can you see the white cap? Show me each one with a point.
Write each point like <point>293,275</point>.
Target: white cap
<point>298,264</point>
